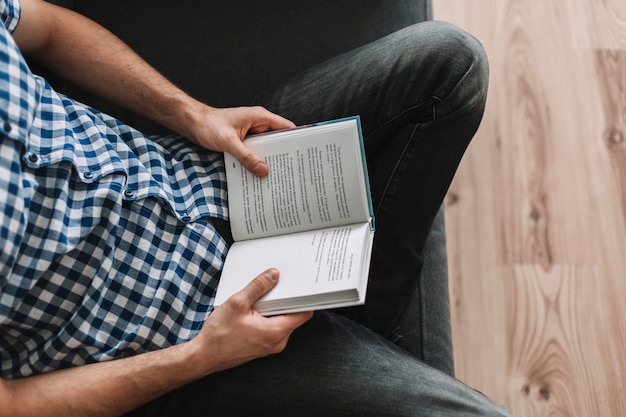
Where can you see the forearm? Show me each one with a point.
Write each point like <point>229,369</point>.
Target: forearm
<point>103,389</point>
<point>232,335</point>
<point>90,56</point>
<point>95,59</point>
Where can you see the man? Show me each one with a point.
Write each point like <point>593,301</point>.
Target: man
<point>113,241</point>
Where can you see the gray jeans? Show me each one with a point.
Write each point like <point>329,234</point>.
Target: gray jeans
<point>421,94</point>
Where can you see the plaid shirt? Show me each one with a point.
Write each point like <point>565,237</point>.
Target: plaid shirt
<point>106,250</point>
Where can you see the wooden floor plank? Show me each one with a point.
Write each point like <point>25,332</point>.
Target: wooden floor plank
<point>597,24</point>
<point>536,216</point>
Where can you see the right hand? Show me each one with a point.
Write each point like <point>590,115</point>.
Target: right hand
<point>235,332</point>
<point>223,130</point>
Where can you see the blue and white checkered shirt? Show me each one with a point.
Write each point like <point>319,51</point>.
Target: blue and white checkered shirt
<point>106,250</point>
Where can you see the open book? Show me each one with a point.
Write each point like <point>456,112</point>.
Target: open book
<point>311,218</point>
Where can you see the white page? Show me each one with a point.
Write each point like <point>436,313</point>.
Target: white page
<point>316,179</point>
<point>325,260</point>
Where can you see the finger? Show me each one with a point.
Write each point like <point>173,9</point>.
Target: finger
<point>266,121</point>
<point>259,286</point>
<point>292,320</point>
<point>284,325</point>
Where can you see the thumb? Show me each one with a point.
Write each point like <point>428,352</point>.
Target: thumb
<point>260,285</point>
<point>250,160</point>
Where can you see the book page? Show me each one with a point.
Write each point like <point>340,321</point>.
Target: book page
<point>313,262</point>
<point>316,179</point>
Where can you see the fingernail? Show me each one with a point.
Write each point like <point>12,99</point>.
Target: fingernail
<point>274,273</point>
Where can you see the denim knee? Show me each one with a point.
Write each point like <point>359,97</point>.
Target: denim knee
<point>460,63</point>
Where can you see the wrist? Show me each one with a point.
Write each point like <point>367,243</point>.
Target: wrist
<point>200,357</point>
<point>185,116</point>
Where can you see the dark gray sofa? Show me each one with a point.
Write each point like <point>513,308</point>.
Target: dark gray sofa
<point>230,53</point>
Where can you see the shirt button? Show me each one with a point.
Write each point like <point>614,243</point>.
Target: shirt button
<point>33,158</point>
<point>186,218</point>
<point>129,193</point>
<point>88,175</point>
<point>7,127</point>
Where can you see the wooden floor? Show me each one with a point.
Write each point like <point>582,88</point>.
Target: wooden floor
<point>536,217</point>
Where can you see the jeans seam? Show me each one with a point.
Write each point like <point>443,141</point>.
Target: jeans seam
<point>395,168</point>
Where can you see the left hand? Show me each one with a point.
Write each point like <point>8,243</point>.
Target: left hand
<point>235,333</point>
<point>223,130</point>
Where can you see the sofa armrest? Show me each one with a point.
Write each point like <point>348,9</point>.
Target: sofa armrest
<point>430,305</point>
